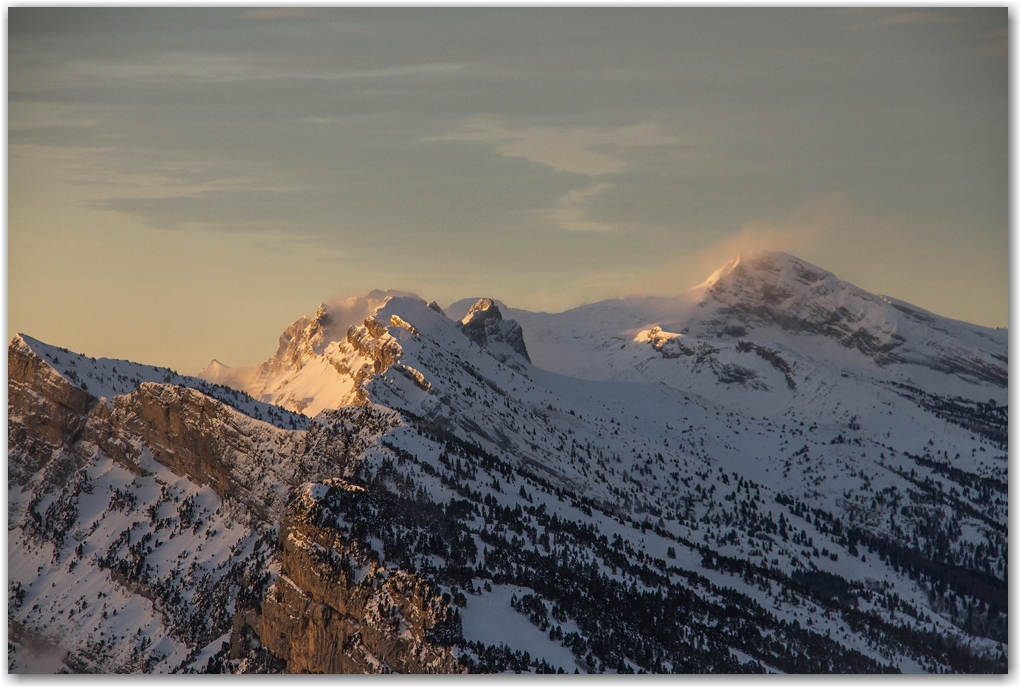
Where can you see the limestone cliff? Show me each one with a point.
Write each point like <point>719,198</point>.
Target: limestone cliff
<point>333,608</point>
<point>197,436</point>
<point>368,350</point>
<point>336,609</point>
<point>502,339</point>
<point>46,412</point>
<point>189,432</point>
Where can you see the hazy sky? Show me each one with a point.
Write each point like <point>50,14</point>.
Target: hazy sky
<point>184,183</point>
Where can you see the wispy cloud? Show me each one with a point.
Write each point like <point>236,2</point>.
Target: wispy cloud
<point>914,17</point>
<point>432,69</point>
<point>997,43</point>
<point>589,151</point>
<point>571,213</point>
<point>592,151</point>
<point>32,115</point>
<point>279,13</point>
<point>215,67</point>
<point>807,54</point>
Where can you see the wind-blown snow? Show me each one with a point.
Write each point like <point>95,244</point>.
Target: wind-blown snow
<point>685,429</point>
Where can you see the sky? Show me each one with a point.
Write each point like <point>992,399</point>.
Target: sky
<point>184,183</point>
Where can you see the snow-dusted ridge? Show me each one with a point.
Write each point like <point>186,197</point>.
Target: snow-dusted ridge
<point>774,472</point>
<point>109,377</point>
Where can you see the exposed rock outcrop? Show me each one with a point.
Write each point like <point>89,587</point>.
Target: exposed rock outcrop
<point>336,609</point>
<point>669,344</point>
<point>302,340</point>
<point>197,436</point>
<point>484,324</point>
<point>192,434</point>
<point>366,351</point>
<point>46,413</point>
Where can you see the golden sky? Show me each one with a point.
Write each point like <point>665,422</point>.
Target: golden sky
<point>183,183</point>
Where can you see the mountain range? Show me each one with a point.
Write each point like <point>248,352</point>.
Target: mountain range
<point>776,471</point>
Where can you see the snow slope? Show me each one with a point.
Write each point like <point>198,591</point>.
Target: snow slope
<point>715,387</point>
<point>805,315</point>
<point>774,472</point>
<point>109,377</point>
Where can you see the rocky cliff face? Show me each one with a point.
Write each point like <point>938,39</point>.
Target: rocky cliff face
<point>336,609</point>
<point>445,510</point>
<point>47,413</point>
<point>190,433</point>
<point>484,324</point>
<point>194,435</point>
<point>92,504</point>
<point>170,502</point>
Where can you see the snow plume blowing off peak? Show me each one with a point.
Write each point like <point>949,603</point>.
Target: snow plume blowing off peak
<point>762,262</point>
<point>316,364</point>
<point>780,286</point>
<point>302,341</point>
<point>335,317</point>
<point>804,477</point>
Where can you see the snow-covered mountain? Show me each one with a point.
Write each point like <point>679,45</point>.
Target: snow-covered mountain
<point>775,471</point>
<point>805,315</point>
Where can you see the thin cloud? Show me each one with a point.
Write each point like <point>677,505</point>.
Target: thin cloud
<point>33,115</point>
<point>910,18</point>
<point>591,151</point>
<point>213,67</point>
<point>278,13</point>
<point>806,54</point>
<point>433,69</point>
<point>997,44</point>
<point>571,215</point>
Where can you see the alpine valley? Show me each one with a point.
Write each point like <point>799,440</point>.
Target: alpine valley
<point>774,472</point>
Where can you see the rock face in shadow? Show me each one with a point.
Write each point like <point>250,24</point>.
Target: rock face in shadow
<point>335,609</point>
<point>484,324</point>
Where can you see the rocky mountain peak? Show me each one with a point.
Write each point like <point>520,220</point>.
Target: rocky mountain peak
<point>777,289</point>
<point>303,339</point>
<point>322,315</point>
<point>483,308</point>
<point>214,368</point>
<point>484,324</point>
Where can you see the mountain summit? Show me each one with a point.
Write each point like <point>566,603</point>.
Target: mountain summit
<point>806,316</point>
<point>778,289</point>
<point>775,472</point>
<point>484,324</point>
